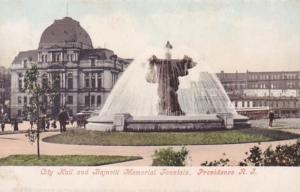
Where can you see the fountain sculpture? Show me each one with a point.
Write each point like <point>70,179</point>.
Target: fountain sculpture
<point>163,94</point>
<point>165,72</point>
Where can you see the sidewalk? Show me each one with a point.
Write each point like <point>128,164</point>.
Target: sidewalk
<point>19,144</point>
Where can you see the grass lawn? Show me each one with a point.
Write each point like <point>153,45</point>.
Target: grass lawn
<point>84,137</point>
<point>63,160</point>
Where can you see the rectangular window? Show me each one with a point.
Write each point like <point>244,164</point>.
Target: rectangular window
<point>92,61</point>
<point>25,100</point>
<point>93,100</point>
<point>45,100</point>
<point>20,84</point>
<point>114,78</point>
<point>70,100</point>
<point>25,63</point>
<point>70,83</point>
<point>98,100</point>
<point>19,100</point>
<point>30,100</point>
<point>87,83</point>
<point>87,101</point>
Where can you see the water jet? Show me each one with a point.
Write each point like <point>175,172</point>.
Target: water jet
<point>160,93</point>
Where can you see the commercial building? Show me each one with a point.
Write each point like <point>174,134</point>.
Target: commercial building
<point>278,91</point>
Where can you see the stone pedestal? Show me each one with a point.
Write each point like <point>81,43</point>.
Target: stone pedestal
<point>119,121</point>
<point>227,118</point>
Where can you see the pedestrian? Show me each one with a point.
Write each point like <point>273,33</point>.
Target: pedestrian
<point>72,121</point>
<point>31,123</point>
<point>54,124</point>
<point>84,122</point>
<point>2,126</point>
<point>63,118</point>
<point>16,125</point>
<point>271,118</point>
<point>43,124</point>
<point>48,124</point>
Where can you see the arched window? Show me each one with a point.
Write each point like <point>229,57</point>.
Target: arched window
<point>70,81</point>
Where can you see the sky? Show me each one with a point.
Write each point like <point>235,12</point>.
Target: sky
<point>232,35</point>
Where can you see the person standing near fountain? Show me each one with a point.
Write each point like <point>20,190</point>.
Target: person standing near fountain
<point>165,72</point>
<point>271,118</point>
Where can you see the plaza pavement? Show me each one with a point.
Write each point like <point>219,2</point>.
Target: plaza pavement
<point>19,144</point>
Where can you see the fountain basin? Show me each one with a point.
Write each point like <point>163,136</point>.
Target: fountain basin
<point>126,122</point>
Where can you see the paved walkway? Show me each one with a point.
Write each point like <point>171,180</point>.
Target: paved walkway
<point>19,144</point>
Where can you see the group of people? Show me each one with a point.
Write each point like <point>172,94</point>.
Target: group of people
<point>45,123</point>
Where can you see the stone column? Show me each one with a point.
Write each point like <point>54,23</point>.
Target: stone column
<point>63,80</point>
<point>96,79</point>
<point>61,56</point>
<point>107,79</point>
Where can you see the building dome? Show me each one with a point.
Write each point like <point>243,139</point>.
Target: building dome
<point>65,32</point>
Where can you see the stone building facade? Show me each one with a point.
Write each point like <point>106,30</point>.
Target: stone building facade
<point>4,89</point>
<point>277,91</point>
<point>65,56</point>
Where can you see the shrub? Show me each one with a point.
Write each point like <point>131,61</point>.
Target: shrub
<point>169,157</point>
<point>221,162</point>
<point>282,155</point>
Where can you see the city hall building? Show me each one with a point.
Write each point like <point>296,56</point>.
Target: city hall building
<point>65,56</point>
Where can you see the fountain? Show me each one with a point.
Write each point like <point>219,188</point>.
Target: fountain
<point>166,94</point>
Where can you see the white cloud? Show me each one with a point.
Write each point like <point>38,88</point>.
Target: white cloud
<point>118,32</point>
<point>16,37</point>
<point>228,39</point>
<point>230,42</point>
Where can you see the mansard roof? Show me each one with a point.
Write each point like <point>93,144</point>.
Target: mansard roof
<point>99,53</point>
<point>31,55</point>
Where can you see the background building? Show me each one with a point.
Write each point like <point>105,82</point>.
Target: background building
<point>65,55</point>
<point>4,90</point>
<point>277,91</point>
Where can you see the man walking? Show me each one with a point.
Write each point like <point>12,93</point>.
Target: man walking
<point>63,118</point>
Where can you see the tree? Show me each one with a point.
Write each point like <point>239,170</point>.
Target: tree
<point>37,88</point>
